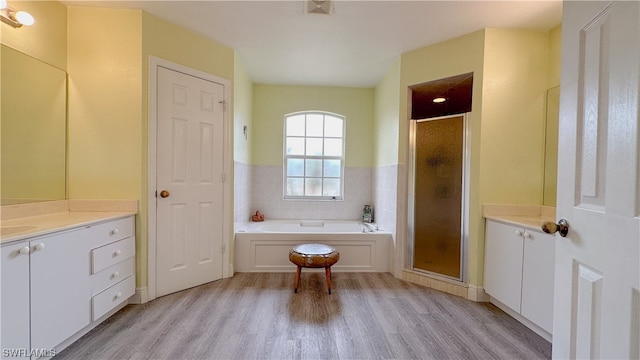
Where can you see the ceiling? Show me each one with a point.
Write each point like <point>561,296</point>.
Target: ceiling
<point>277,42</point>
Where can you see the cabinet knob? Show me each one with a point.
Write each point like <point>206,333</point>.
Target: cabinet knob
<point>526,235</point>
<point>519,232</point>
<point>115,274</point>
<point>114,231</point>
<point>39,246</point>
<point>117,253</point>
<point>24,250</point>
<point>118,295</point>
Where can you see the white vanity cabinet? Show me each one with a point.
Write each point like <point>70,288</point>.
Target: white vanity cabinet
<point>57,287</point>
<point>519,265</point>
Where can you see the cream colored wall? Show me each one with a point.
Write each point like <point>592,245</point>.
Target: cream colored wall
<point>554,56</point>
<point>457,56</point>
<point>242,113</point>
<point>272,102</point>
<point>46,40</point>
<point>386,127</point>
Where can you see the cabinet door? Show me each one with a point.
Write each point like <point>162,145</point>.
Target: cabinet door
<point>14,317</point>
<point>537,278</point>
<point>503,263</point>
<point>60,289</point>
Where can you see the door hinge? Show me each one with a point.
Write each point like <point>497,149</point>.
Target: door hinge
<point>223,177</point>
<point>224,104</point>
<point>223,248</point>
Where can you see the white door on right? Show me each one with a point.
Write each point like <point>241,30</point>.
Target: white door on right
<point>597,271</point>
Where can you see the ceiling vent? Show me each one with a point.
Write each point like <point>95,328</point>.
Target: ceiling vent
<point>323,7</point>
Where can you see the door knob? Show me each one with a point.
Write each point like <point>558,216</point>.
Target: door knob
<point>561,227</point>
<point>164,194</point>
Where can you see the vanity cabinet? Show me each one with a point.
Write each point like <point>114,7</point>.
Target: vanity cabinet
<point>519,266</point>
<point>56,285</point>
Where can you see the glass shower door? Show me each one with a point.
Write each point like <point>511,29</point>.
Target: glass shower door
<point>438,196</point>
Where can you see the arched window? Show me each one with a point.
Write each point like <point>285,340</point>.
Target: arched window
<point>314,156</point>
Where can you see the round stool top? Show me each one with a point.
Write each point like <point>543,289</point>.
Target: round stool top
<point>313,249</point>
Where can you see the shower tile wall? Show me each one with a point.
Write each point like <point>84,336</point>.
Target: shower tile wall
<point>385,188</point>
<point>267,184</point>
<point>242,194</point>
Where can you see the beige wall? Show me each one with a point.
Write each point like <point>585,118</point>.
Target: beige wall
<point>272,102</point>
<point>242,113</point>
<point>387,109</point>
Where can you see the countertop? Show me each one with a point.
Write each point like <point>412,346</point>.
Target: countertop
<point>528,216</point>
<point>59,216</point>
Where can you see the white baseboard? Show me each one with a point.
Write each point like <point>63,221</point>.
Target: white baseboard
<point>477,294</point>
<point>141,296</point>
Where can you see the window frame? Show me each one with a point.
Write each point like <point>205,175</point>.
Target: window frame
<point>305,157</point>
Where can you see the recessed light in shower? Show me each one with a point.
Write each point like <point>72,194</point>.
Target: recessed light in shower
<point>439,100</point>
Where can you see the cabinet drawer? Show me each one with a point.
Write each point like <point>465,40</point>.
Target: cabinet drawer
<point>111,231</point>
<point>110,298</point>
<point>111,275</point>
<point>105,256</point>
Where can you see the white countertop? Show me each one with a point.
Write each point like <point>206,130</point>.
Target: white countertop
<point>528,216</point>
<point>21,221</point>
<point>27,227</point>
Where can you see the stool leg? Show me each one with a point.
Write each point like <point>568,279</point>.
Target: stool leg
<point>327,271</point>
<point>297,282</point>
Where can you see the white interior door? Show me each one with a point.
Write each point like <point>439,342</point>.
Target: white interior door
<point>189,217</point>
<point>597,276</point>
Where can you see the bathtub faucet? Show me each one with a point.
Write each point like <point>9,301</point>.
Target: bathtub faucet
<point>369,227</point>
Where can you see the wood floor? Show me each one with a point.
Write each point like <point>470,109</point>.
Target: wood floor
<point>258,316</point>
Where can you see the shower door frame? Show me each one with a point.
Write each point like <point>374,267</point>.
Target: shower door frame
<point>464,231</point>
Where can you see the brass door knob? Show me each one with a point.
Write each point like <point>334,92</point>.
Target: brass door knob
<point>164,194</point>
<point>561,227</point>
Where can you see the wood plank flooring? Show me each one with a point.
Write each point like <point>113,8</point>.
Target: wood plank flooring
<point>258,316</point>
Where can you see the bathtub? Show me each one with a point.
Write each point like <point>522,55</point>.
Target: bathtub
<point>264,246</point>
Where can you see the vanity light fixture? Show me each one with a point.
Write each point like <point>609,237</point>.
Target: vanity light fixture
<point>439,100</point>
<point>14,18</point>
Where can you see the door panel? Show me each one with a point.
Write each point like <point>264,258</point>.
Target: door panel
<point>597,271</point>
<point>189,167</point>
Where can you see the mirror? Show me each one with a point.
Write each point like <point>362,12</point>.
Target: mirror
<point>33,131</point>
<point>551,147</point>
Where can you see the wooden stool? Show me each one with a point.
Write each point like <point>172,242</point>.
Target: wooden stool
<point>313,256</point>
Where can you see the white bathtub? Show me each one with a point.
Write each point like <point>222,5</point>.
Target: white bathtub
<point>264,246</point>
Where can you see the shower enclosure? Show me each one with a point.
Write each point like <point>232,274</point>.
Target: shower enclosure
<point>438,195</point>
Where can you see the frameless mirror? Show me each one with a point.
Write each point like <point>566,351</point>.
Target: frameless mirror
<point>551,147</point>
<point>33,129</point>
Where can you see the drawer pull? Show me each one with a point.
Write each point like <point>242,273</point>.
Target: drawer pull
<point>115,275</point>
<point>117,253</point>
<point>24,250</point>
<point>114,231</point>
<point>118,295</point>
<point>40,246</point>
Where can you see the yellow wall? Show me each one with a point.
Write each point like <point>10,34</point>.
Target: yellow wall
<point>46,40</point>
<point>242,114</point>
<point>387,107</point>
<point>554,56</point>
<point>272,102</point>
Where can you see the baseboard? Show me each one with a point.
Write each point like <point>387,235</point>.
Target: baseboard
<point>477,294</point>
<point>445,285</point>
<point>141,296</point>
<point>526,322</point>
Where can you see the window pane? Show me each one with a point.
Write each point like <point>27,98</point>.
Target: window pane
<point>295,167</point>
<point>295,187</point>
<point>314,124</point>
<point>333,147</point>
<point>295,146</point>
<point>332,168</point>
<point>295,125</point>
<point>314,147</point>
<point>332,126</point>
<point>314,168</point>
<point>331,187</point>
<point>313,187</point>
